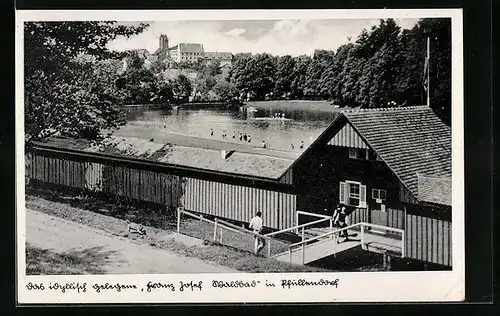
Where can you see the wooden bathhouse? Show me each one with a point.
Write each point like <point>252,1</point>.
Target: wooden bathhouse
<point>391,167</point>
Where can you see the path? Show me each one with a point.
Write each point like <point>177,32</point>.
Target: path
<point>59,235</point>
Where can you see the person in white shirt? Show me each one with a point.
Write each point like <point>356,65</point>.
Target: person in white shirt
<point>256,226</point>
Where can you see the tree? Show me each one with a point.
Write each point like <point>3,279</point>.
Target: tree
<point>299,77</point>
<point>226,91</point>
<point>182,87</point>
<point>64,95</point>
<point>254,74</point>
<point>284,76</point>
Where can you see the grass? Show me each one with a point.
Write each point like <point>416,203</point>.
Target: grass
<point>46,262</point>
<point>235,254</point>
<point>231,239</point>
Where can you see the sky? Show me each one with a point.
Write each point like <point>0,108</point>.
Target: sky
<point>277,37</point>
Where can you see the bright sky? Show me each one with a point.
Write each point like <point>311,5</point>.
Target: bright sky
<point>277,37</point>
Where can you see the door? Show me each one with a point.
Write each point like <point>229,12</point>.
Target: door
<point>378,212</point>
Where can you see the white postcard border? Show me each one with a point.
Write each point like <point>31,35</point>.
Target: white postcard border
<point>352,287</point>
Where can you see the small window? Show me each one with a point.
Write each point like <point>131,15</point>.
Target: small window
<point>358,153</point>
<point>378,194</point>
<point>353,153</point>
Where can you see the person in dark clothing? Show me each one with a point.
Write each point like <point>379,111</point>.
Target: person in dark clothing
<point>245,137</point>
<point>341,221</point>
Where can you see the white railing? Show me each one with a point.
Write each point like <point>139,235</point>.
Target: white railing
<point>297,227</point>
<point>221,224</point>
<point>325,217</point>
<point>335,234</point>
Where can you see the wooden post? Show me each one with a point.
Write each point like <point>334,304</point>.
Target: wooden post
<point>335,244</point>
<point>303,254</point>
<point>297,222</point>
<point>362,236</point>
<point>215,229</point>
<point>403,244</point>
<point>269,248</point>
<point>303,233</point>
<point>331,227</point>
<point>178,220</point>
<point>290,254</point>
<point>220,236</point>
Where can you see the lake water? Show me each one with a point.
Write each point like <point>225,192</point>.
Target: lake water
<point>301,123</point>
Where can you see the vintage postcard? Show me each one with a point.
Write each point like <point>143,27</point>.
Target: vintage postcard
<point>240,156</point>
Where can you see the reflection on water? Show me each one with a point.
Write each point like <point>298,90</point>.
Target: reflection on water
<point>298,125</point>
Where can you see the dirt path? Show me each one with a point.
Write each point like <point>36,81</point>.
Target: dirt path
<point>122,255</point>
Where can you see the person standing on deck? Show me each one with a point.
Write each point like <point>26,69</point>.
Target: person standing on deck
<point>340,221</point>
<point>256,226</point>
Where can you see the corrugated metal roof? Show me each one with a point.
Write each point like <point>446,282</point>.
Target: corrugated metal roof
<point>410,140</point>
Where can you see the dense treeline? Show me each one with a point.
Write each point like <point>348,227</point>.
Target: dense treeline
<point>383,67</point>
<point>73,88</point>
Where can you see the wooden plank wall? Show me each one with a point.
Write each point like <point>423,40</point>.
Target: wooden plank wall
<point>359,215</point>
<point>240,202</point>
<point>428,239</point>
<point>137,184</point>
<point>228,201</point>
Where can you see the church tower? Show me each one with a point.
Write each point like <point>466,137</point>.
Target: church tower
<point>164,44</point>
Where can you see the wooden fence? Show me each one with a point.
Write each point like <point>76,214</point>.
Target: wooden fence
<point>206,196</point>
<point>427,238</point>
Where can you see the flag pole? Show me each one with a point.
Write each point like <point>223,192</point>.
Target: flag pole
<point>428,70</point>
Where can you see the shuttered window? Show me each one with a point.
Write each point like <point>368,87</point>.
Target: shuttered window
<point>353,194</point>
<point>362,196</point>
<point>342,193</point>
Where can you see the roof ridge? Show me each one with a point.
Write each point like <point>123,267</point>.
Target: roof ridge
<point>387,109</point>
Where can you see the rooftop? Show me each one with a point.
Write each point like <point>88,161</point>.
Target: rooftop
<point>188,47</point>
<point>237,162</point>
<point>410,140</point>
<point>218,55</point>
